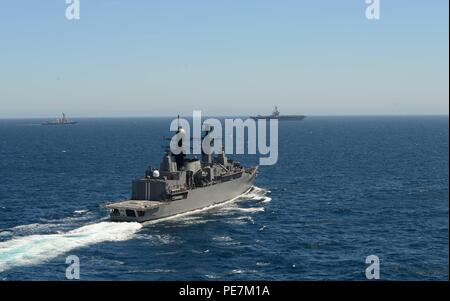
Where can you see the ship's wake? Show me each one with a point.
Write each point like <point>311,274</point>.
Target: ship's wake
<point>35,249</point>
<point>43,246</point>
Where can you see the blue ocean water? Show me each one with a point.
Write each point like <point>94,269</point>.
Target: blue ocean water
<point>344,188</point>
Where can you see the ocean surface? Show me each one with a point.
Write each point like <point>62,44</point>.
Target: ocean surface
<point>344,188</point>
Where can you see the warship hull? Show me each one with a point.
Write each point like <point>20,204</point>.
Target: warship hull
<point>281,118</point>
<point>198,198</point>
<point>61,123</point>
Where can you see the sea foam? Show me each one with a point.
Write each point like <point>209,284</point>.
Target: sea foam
<point>35,249</point>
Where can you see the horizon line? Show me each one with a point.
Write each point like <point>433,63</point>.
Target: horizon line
<point>234,116</point>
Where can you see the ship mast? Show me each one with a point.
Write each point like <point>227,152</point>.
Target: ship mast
<point>276,113</point>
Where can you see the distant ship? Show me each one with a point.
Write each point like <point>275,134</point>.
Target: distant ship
<point>60,121</point>
<point>276,115</point>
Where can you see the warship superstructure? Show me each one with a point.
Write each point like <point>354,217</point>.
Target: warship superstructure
<point>60,121</point>
<point>182,184</point>
<point>276,115</point>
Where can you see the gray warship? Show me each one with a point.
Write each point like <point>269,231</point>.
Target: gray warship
<point>60,121</point>
<point>276,115</point>
<point>182,184</point>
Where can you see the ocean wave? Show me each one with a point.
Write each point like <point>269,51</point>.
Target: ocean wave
<point>245,210</point>
<point>266,199</point>
<point>242,271</point>
<point>222,238</point>
<point>5,233</point>
<point>158,239</point>
<point>78,215</point>
<point>159,271</point>
<point>189,220</point>
<point>48,226</point>
<point>255,193</point>
<point>35,249</point>
<point>242,220</point>
<point>35,228</point>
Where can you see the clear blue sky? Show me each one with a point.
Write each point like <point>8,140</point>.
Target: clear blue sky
<point>147,58</point>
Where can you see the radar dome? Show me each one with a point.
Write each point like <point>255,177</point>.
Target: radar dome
<point>156,173</point>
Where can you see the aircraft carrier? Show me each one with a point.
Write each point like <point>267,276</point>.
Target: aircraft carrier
<point>183,184</point>
<point>276,115</point>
